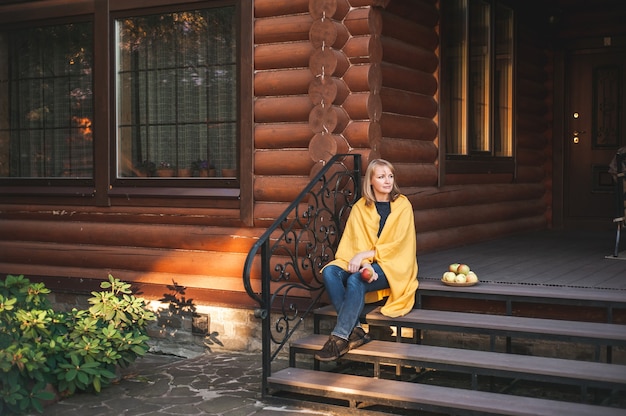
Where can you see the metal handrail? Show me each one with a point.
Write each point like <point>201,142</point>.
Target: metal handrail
<point>620,219</point>
<point>293,251</point>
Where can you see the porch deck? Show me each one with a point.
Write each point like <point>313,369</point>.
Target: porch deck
<point>571,258</point>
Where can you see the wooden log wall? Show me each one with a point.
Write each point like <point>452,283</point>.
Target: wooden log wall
<point>476,205</point>
<point>330,76</point>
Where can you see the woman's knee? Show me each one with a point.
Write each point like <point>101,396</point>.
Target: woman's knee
<point>331,274</point>
<point>356,283</point>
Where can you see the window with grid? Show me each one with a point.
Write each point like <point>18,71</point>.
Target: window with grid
<point>46,103</point>
<point>176,80</point>
<point>477,81</point>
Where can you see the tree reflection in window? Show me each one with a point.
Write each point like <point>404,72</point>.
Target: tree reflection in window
<point>46,102</point>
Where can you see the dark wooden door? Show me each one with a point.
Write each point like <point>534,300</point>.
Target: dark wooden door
<point>594,130</point>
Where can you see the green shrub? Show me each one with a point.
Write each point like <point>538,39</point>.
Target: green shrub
<point>70,351</point>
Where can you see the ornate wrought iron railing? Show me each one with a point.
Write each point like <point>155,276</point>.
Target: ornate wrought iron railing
<point>293,250</point>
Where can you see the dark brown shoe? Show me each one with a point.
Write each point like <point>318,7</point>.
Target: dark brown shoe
<point>358,337</point>
<point>334,348</point>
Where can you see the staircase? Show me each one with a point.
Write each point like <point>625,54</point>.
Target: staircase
<point>406,372</point>
<point>400,375</point>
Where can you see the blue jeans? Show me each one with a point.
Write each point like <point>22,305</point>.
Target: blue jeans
<point>347,294</point>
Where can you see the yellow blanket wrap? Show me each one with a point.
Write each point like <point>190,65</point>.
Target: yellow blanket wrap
<point>395,251</point>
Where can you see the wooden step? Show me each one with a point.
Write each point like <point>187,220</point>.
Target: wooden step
<point>599,334</point>
<point>554,295</point>
<point>554,370</point>
<point>504,325</point>
<point>369,391</point>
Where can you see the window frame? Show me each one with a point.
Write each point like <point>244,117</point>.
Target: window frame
<point>478,162</point>
<point>101,189</point>
<point>58,186</point>
<point>177,187</point>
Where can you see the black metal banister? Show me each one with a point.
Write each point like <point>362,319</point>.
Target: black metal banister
<point>294,249</point>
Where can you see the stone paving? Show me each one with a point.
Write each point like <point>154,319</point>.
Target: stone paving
<point>223,384</point>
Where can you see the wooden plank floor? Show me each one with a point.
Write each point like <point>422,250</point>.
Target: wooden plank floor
<point>574,258</point>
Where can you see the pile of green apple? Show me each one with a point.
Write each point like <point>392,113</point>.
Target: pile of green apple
<point>459,273</point>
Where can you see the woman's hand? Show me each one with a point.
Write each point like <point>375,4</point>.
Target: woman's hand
<point>357,261</point>
<point>368,270</point>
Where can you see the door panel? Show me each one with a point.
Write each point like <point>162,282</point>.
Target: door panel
<point>594,130</point>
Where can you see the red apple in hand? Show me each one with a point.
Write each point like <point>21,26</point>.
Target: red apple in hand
<point>367,273</point>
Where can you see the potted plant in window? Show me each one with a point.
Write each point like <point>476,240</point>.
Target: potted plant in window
<point>145,168</point>
<point>165,169</point>
<point>202,168</point>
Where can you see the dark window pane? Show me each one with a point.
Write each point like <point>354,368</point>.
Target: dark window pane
<point>47,108</point>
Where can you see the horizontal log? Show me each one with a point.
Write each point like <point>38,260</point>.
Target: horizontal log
<point>533,106</point>
<point>530,174</point>
<point>329,119</point>
<point>282,109</point>
<point>124,214</point>
<point>323,90</point>
<point>328,90</point>
<point>282,162</point>
<point>449,237</point>
<point>528,157</point>
<point>364,21</point>
<point>533,55</point>
<point>282,55</point>
<point>335,9</point>
<point>460,216</point>
<point>478,178</point>
<point>532,123</point>
<point>189,237</point>
<point>266,212</point>
<point>415,174</point>
<point>362,133</point>
<point>408,127</point>
<point>531,89</point>
<point>404,54</point>
<point>364,49</point>
<point>409,31</point>
<point>269,8</point>
<point>364,78</point>
<point>368,3</point>
<point>406,150</point>
<point>328,33</point>
<point>363,106</point>
<point>422,12</point>
<point>528,71</point>
<point>328,62</point>
<point>86,280</point>
<point>289,28</point>
<point>460,195</point>
<point>279,188</point>
<point>181,262</point>
<point>408,103</point>
<point>325,146</point>
<point>281,135</point>
<point>367,155</point>
<point>407,79</point>
<point>336,176</point>
<point>286,82</point>
<point>529,140</point>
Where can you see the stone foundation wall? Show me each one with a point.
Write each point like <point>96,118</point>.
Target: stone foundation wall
<point>187,330</point>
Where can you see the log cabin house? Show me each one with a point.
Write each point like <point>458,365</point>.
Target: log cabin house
<point>500,116</point>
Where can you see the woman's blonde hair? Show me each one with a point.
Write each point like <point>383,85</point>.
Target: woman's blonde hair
<point>368,192</point>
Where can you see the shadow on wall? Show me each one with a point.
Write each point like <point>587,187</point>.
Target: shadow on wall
<point>179,322</point>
